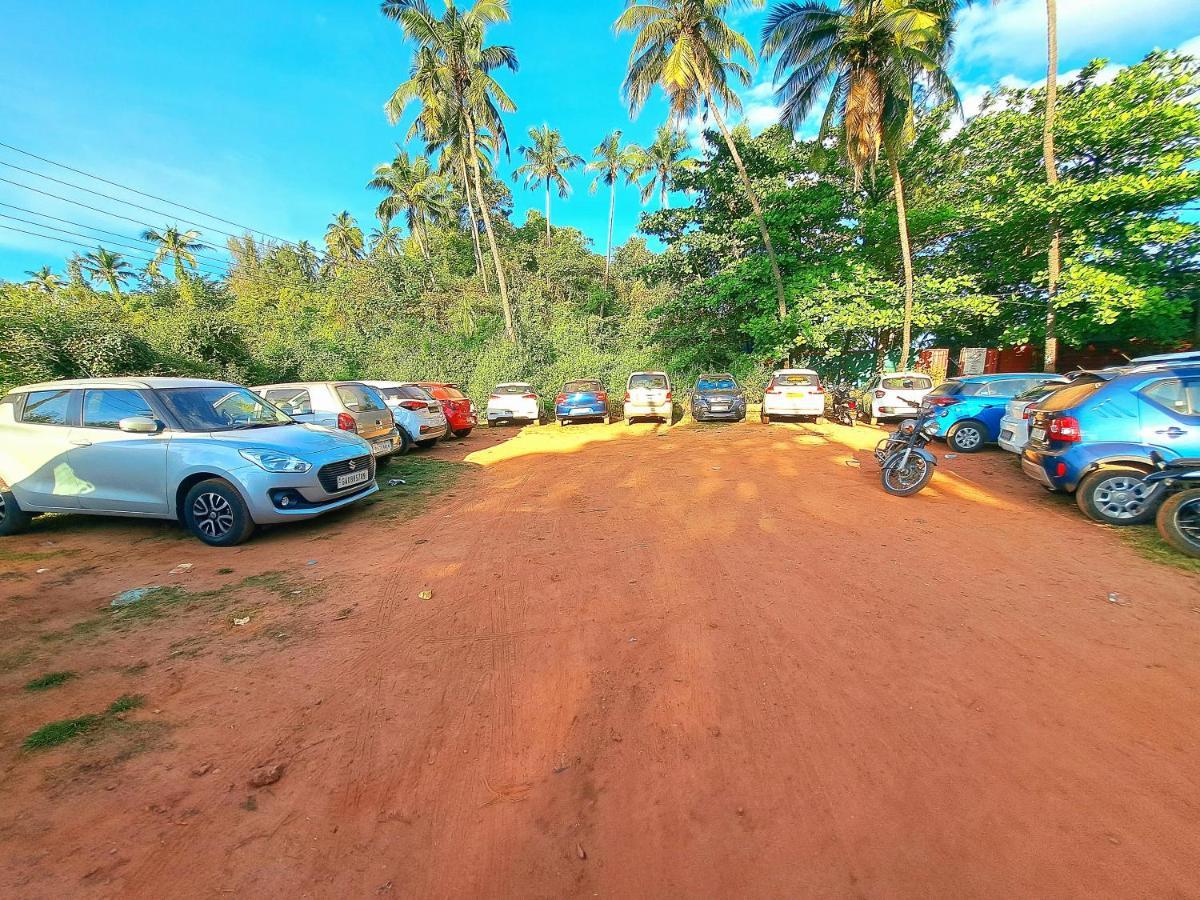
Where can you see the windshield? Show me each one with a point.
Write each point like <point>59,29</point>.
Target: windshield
<point>503,390</point>
<point>947,389</point>
<point>577,387</point>
<point>1071,395</point>
<point>716,383</point>
<point>907,383</point>
<point>405,392</point>
<point>796,379</point>
<point>220,409</point>
<point>359,398</point>
<point>1038,391</point>
<point>648,381</point>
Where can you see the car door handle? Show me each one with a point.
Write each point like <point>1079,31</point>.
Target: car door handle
<point>1173,431</point>
<point>81,442</point>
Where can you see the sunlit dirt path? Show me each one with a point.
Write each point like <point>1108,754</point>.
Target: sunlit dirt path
<point>704,661</point>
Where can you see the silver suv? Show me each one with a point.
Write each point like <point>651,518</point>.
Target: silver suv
<point>213,455</point>
<point>343,405</point>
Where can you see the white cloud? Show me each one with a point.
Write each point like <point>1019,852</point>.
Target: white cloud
<point>1191,47</point>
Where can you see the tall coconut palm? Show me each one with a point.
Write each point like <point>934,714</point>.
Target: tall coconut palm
<point>308,259</point>
<point>385,240</point>
<point>1054,253</point>
<point>547,161</point>
<point>688,48</point>
<point>611,161</point>
<point>180,246</point>
<point>867,54</point>
<point>451,79</point>
<point>43,280</point>
<point>343,239</point>
<point>104,265</point>
<point>415,190</point>
<point>662,160</point>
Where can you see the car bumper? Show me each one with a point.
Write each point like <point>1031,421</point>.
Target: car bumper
<point>799,408</point>
<point>639,410</point>
<point>707,413</point>
<point>580,412</point>
<point>386,444</point>
<point>431,431</point>
<point>1014,434</point>
<point>1056,471</point>
<point>307,496</point>
<point>512,415</point>
<point>895,411</point>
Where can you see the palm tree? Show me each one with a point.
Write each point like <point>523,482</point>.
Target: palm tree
<point>176,244</point>
<point>460,101</point>
<point>610,161</point>
<point>867,53</point>
<point>385,240</point>
<point>43,280</point>
<point>414,189</point>
<point>343,239</point>
<point>547,160</point>
<point>106,266</point>
<point>661,159</point>
<point>308,259</point>
<point>1054,254</point>
<point>688,48</point>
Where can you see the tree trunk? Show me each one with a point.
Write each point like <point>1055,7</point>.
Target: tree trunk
<point>780,296</point>
<point>479,266</point>
<point>1054,257</point>
<point>415,228</point>
<point>547,212</point>
<point>663,195</point>
<point>115,288</point>
<point>906,259</point>
<point>509,329</point>
<point>612,208</point>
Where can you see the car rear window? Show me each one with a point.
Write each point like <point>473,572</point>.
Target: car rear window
<point>358,398</point>
<point>908,383</point>
<point>793,379</point>
<point>46,407</point>
<point>1038,391</point>
<point>1071,395</point>
<point>508,390</point>
<point>949,389</point>
<point>575,387</point>
<point>716,383</point>
<point>405,392</point>
<point>648,381</point>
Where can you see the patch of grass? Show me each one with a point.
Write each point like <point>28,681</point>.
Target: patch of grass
<point>225,571</point>
<point>8,555</point>
<point>15,660</point>
<point>49,680</point>
<point>64,730</point>
<point>1149,543</point>
<point>424,479</point>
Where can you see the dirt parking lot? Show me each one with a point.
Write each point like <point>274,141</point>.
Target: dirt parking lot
<point>704,661</point>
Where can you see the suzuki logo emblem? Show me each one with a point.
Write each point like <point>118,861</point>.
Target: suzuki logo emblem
<point>353,465</point>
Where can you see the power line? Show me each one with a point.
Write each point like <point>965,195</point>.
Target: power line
<point>148,257</point>
<point>126,187</point>
<point>124,237</point>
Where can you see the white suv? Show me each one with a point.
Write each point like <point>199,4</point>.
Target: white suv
<point>793,392</point>
<point>213,455</point>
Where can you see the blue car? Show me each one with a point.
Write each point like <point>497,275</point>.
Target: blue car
<point>969,409</point>
<point>581,400</point>
<point>1095,436</point>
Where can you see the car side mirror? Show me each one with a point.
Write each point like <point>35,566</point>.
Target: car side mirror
<point>140,425</point>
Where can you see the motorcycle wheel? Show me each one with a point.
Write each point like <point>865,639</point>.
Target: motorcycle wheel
<point>906,480</point>
<point>1179,522</point>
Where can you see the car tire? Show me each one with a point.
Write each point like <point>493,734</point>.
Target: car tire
<point>967,436</point>
<point>1111,495</point>
<point>1179,522</point>
<point>405,443</point>
<point>461,433</point>
<point>764,418</point>
<point>608,420</point>
<point>562,423</point>
<point>215,513</point>
<point>425,445</point>
<point>13,519</point>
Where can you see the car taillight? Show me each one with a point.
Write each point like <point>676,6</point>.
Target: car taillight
<point>943,401</point>
<point>880,394</point>
<point>1064,428</point>
<point>770,389</point>
<point>529,396</point>
<point>669,395</point>
<point>819,390</point>
<point>602,396</point>
<point>561,398</point>
<point>627,396</point>
<point>346,422</point>
<point>414,405</point>
<point>1028,411</point>
<point>852,404</point>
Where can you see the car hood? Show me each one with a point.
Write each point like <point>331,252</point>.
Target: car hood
<point>718,393</point>
<point>300,439</point>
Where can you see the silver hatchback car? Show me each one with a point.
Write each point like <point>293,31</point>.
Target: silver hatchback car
<point>345,405</point>
<point>213,455</point>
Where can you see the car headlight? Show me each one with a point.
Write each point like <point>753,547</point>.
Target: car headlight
<point>274,461</point>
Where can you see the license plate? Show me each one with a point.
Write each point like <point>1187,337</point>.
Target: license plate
<point>378,447</point>
<point>797,393</point>
<point>502,413</point>
<point>582,411</point>
<point>1006,434</point>
<point>1038,434</point>
<point>721,407</point>
<point>352,478</point>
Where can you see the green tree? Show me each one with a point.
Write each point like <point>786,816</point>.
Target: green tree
<point>111,268</point>
<point>413,190</point>
<point>662,162</point>
<point>343,239</point>
<point>385,239</point>
<point>688,48</point>
<point>172,243</point>
<point>867,54</point>
<point>44,280</point>
<point>547,161</point>
<point>611,161</point>
<point>451,80</point>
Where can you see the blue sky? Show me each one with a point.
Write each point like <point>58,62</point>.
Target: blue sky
<point>270,114</point>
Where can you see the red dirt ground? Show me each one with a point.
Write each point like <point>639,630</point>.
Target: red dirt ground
<point>714,661</point>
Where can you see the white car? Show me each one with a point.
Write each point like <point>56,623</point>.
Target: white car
<point>648,396</point>
<point>795,393</point>
<point>418,416</point>
<point>1018,412</point>
<point>895,395</point>
<point>514,401</point>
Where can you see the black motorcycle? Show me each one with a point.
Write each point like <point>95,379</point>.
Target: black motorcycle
<point>905,465</point>
<point>1176,486</point>
<point>845,406</point>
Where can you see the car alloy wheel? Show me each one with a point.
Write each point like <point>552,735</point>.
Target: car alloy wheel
<point>967,438</point>
<point>3,508</point>
<point>1120,497</point>
<point>212,514</point>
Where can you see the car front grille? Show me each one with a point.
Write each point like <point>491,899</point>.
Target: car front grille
<point>328,474</point>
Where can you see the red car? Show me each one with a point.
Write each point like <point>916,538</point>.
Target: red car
<point>459,410</point>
